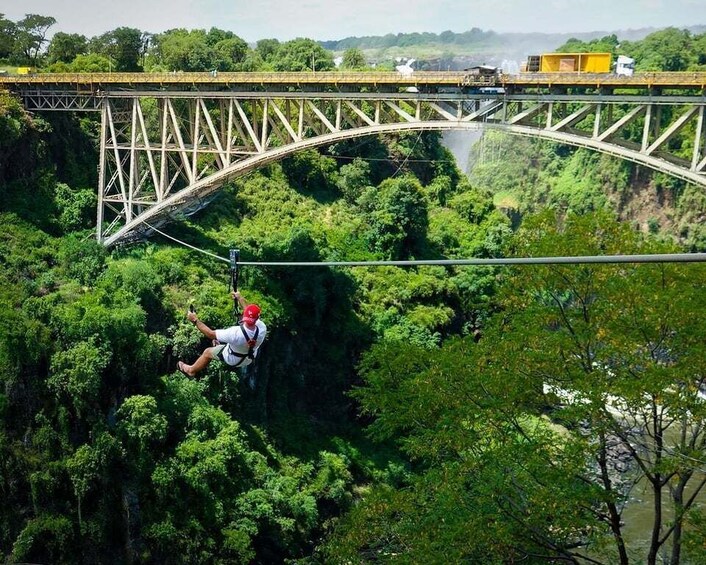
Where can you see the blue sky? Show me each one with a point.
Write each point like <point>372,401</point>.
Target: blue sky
<point>336,19</point>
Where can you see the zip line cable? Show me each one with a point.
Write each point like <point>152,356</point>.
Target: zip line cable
<point>187,244</point>
<point>403,163</point>
<point>576,260</point>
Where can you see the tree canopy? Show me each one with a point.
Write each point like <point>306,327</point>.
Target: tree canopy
<point>30,36</point>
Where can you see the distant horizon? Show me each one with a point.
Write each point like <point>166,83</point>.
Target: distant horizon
<point>315,19</point>
<point>567,33</point>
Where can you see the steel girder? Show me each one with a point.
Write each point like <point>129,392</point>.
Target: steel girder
<point>68,101</point>
<point>164,155</point>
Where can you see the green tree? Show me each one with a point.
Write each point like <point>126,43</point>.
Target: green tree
<point>46,538</point>
<point>353,59</point>
<point>699,45</point>
<point>471,203</point>
<point>606,44</point>
<point>302,55</point>
<point>216,35</point>
<point>141,428</point>
<point>124,46</point>
<point>15,125</point>
<point>76,207</point>
<point>310,171</point>
<point>31,33</point>
<point>182,50</point>
<point>628,353</point>
<point>610,354</point>
<point>92,63</point>
<point>82,259</point>
<point>231,53</point>
<point>396,213</point>
<point>481,466</point>
<point>76,375</point>
<point>669,49</point>
<point>65,47</point>
<point>250,505</point>
<point>8,32</point>
<point>267,48</point>
<point>353,178</point>
<point>90,466</point>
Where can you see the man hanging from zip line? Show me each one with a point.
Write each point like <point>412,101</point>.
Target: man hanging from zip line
<point>236,346</point>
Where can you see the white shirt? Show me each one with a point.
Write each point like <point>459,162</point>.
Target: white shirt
<point>237,343</point>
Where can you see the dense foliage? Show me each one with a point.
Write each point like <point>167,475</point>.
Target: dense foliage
<point>508,411</point>
<point>518,438</point>
<point>669,49</point>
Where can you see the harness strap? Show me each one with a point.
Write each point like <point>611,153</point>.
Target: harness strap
<point>252,342</point>
<point>228,365</point>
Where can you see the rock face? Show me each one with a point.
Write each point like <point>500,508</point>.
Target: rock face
<point>620,460</point>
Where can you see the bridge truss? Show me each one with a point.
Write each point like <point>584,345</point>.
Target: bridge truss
<point>165,153</point>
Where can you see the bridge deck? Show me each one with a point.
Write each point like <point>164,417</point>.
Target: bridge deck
<point>354,80</point>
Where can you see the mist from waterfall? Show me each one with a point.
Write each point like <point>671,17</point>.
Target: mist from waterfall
<point>460,143</point>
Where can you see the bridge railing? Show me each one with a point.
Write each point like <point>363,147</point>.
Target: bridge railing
<point>692,80</point>
<point>92,82</point>
<point>326,77</point>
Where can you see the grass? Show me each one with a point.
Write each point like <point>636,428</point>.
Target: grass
<point>506,199</point>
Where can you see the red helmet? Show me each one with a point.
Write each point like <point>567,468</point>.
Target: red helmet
<point>251,314</point>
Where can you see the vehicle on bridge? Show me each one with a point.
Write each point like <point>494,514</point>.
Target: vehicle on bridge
<point>482,74</point>
<point>625,66</point>
<point>482,79</point>
<point>578,63</point>
<point>568,63</point>
<point>18,71</point>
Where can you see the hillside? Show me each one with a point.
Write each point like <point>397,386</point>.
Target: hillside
<point>525,177</point>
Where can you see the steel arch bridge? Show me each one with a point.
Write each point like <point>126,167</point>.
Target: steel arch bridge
<point>165,151</point>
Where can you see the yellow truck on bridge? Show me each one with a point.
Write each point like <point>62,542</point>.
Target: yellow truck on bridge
<point>569,63</point>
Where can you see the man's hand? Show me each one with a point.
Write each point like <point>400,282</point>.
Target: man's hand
<point>192,317</point>
<point>236,295</point>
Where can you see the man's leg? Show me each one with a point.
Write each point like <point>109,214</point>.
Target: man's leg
<point>201,363</point>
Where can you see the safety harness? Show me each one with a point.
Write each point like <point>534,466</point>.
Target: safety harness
<point>251,341</point>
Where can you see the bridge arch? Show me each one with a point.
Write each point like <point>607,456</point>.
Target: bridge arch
<point>152,169</point>
<point>179,202</point>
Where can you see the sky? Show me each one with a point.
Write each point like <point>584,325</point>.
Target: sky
<point>338,19</point>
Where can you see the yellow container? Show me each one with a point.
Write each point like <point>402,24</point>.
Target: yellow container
<point>26,70</point>
<point>575,63</point>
